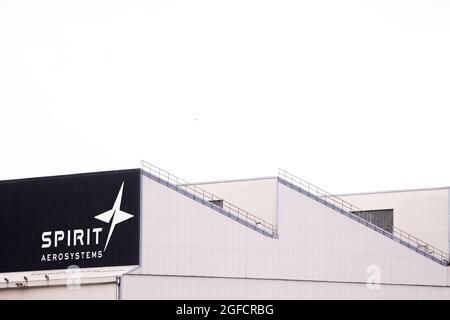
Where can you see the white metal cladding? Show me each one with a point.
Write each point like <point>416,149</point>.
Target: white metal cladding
<point>169,287</point>
<point>422,213</point>
<point>102,291</point>
<point>183,237</point>
<point>258,196</point>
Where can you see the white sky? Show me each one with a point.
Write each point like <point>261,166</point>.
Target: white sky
<point>351,95</point>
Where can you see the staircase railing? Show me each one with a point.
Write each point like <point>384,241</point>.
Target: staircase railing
<point>197,193</point>
<point>354,212</point>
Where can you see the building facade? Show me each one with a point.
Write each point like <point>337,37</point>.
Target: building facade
<point>268,238</point>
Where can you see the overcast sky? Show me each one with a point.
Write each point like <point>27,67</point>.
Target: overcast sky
<point>351,95</point>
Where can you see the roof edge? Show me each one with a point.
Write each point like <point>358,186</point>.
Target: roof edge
<point>233,180</point>
<point>391,191</point>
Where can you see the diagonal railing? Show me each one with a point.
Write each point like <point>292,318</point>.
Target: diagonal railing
<point>209,199</point>
<point>356,213</point>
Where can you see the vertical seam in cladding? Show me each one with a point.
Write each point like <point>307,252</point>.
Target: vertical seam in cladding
<point>141,218</point>
<point>448,233</point>
<point>448,222</point>
<point>276,218</point>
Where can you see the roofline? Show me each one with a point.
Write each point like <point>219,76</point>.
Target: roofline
<point>68,175</point>
<point>392,191</point>
<point>339,194</point>
<point>233,180</point>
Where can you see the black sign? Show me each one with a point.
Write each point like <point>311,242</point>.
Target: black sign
<point>85,220</point>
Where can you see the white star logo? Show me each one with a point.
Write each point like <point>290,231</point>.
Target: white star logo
<point>115,214</point>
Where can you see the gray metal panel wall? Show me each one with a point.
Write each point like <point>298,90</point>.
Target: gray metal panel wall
<point>102,291</point>
<point>204,288</point>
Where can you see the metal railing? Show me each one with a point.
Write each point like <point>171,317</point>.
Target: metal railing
<point>206,197</point>
<point>356,213</point>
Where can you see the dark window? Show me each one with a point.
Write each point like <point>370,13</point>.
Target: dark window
<point>218,203</point>
<point>381,218</point>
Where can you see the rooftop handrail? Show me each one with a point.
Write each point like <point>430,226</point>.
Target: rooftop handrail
<point>204,195</point>
<point>355,211</point>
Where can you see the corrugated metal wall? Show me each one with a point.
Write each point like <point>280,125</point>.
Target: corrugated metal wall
<point>422,213</point>
<point>165,287</point>
<point>182,237</point>
<point>257,196</point>
<point>103,291</point>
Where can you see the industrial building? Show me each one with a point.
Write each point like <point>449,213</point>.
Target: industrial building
<point>147,234</point>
